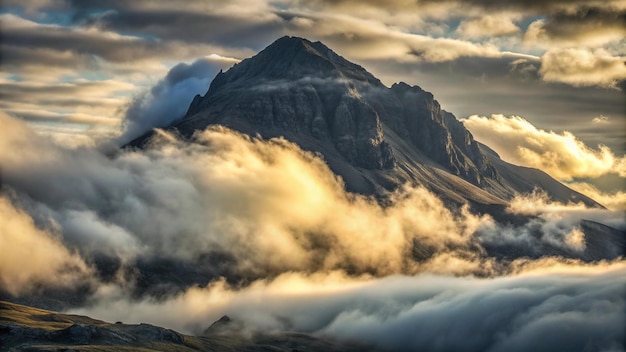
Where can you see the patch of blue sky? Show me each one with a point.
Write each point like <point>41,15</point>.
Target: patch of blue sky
<point>13,10</point>
<point>140,35</point>
<point>14,78</point>
<point>95,75</point>
<point>526,21</point>
<point>78,127</point>
<point>279,5</point>
<point>67,78</point>
<point>49,16</point>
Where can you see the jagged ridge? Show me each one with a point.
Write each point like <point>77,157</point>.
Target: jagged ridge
<point>373,136</point>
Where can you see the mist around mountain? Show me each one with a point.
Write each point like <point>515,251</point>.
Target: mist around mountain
<point>307,202</point>
<point>376,138</point>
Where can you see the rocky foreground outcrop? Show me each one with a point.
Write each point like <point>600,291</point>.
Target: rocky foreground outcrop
<point>24,328</point>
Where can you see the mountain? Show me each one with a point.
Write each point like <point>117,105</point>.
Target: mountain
<point>24,328</point>
<point>375,137</point>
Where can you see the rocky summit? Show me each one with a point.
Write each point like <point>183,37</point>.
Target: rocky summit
<point>375,137</point>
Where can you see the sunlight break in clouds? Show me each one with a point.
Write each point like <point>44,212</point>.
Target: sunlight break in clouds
<point>561,155</point>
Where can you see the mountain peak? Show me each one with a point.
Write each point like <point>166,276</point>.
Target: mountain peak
<point>292,58</point>
<point>374,137</point>
<point>298,43</point>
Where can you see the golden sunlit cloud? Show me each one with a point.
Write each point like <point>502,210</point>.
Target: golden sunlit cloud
<point>612,200</point>
<point>31,256</point>
<point>562,155</point>
<point>600,119</point>
<point>489,26</point>
<point>582,67</point>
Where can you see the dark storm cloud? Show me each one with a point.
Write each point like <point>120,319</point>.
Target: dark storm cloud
<point>113,47</point>
<point>249,25</point>
<point>31,47</point>
<point>41,59</point>
<point>191,27</point>
<point>531,6</point>
<point>535,5</point>
<point>583,20</point>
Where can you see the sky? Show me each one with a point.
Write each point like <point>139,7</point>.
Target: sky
<point>541,82</point>
<point>550,73</point>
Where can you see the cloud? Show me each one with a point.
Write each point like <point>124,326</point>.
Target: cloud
<point>488,26</point>
<point>587,26</point>
<point>40,49</point>
<point>614,200</point>
<point>265,232</point>
<point>583,67</point>
<point>561,155</point>
<point>32,256</point>
<point>532,6</point>
<point>226,193</point>
<point>169,99</point>
<point>564,215</point>
<point>18,31</point>
<point>553,227</point>
<point>240,23</point>
<point>600,119</point>
<point>268,206</point>
<point>369,39</point>
<point>76,71</point>
<point>573,306</point>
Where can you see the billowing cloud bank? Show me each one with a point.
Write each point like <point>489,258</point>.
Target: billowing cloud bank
<point>552,307</point>
<point>183,232</point>
<point>32,256</point>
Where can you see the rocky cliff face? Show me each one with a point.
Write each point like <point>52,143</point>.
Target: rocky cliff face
<point>373,136</point>
<point>302,88</point>
<point>299,88</point>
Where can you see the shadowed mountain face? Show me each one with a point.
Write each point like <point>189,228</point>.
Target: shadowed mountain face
<point>376,138</point>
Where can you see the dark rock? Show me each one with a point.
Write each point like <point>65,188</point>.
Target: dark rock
<point>78,334</point>
<point>376,138</point>
<point>154,333</point>
<point>224,325</point>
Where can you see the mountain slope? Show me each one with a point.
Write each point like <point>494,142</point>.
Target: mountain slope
<point>376,138</point>
<point>24,328</point>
